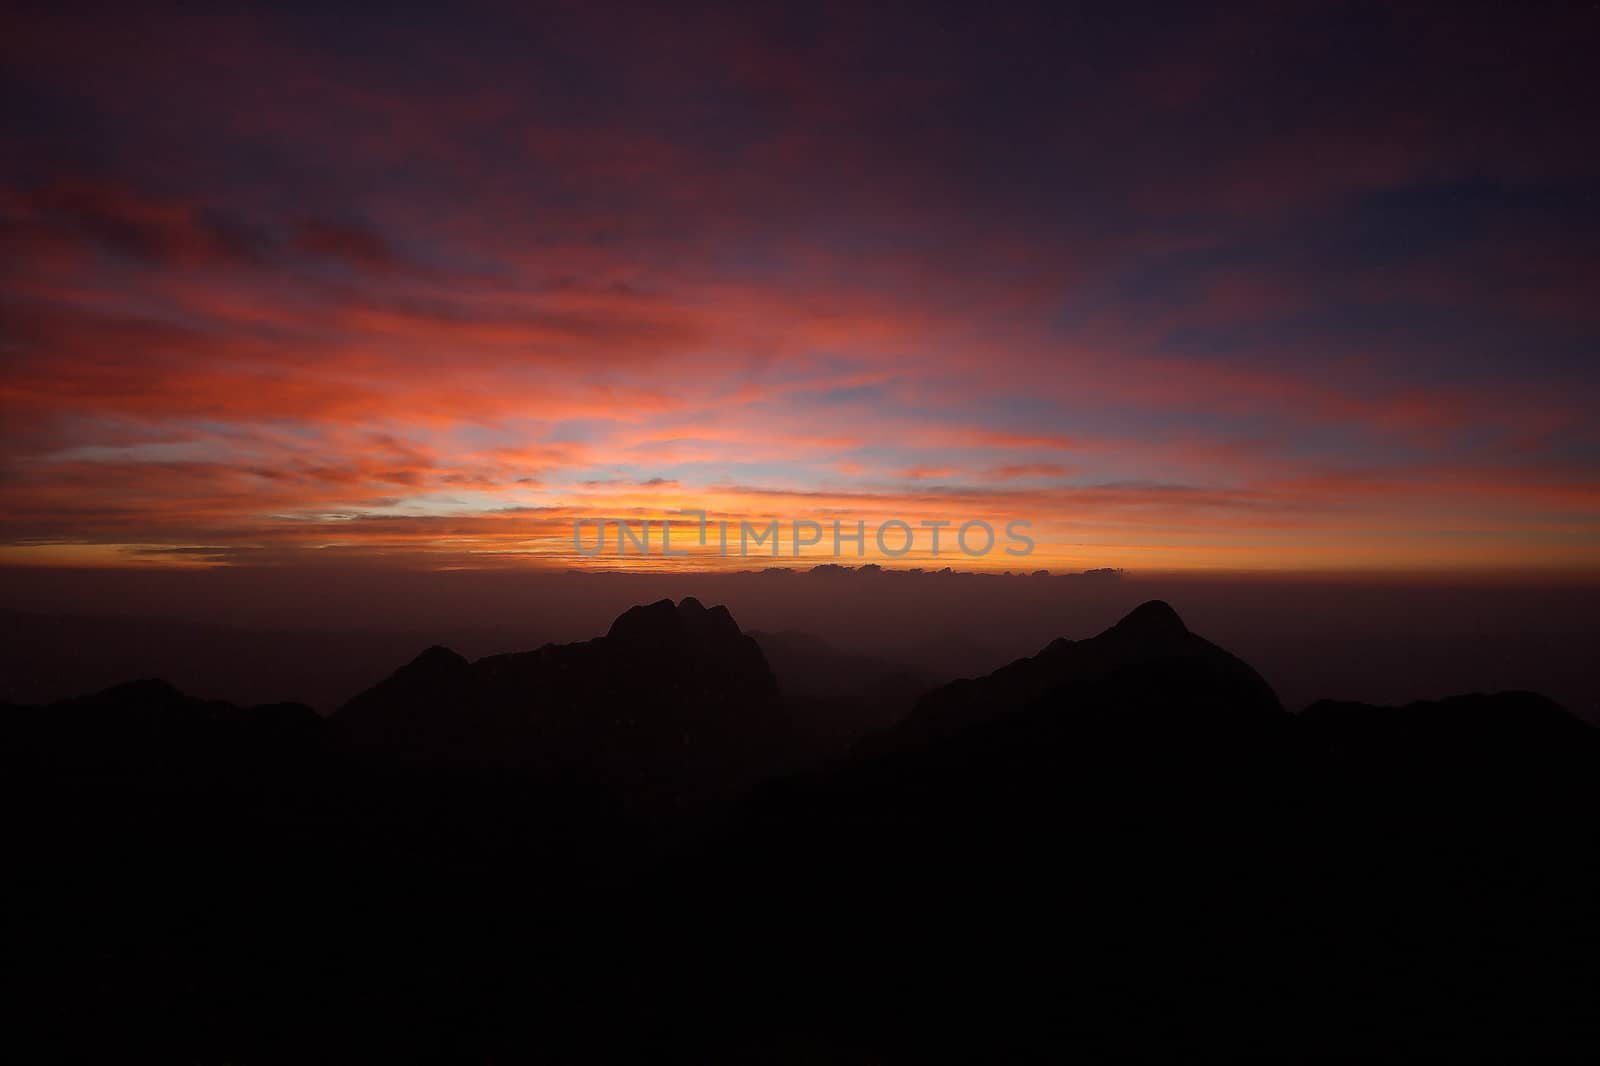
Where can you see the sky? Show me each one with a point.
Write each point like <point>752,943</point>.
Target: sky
<point>1299,287</point>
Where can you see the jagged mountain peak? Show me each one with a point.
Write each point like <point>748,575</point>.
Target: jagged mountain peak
<point>664,620</point>
<point>672,688</point>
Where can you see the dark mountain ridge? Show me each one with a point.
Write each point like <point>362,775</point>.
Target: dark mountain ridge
<point>672,690</point>
<point>1121,847</point>
<point>1150,638</point>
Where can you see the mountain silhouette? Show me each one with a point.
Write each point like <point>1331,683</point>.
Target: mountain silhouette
<point>1501,751</point>
<point>150,729</point>
<point>674,690</point>
<point>1121,847</point>
<point>1125,846</point>
<point>1148,641</point>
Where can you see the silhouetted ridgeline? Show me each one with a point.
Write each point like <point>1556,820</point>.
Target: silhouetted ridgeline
<point>1119,847</point>
<point>673,695</point>
<point>1152,639</point>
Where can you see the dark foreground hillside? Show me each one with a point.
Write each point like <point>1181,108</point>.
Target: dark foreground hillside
<point>1122,847</point>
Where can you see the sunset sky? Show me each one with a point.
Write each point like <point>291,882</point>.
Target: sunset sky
<point>1263,291</point>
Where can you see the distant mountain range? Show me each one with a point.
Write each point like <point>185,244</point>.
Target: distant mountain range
<point>679,840</point>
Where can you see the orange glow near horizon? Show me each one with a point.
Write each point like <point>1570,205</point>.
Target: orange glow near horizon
<point>235,334</point>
